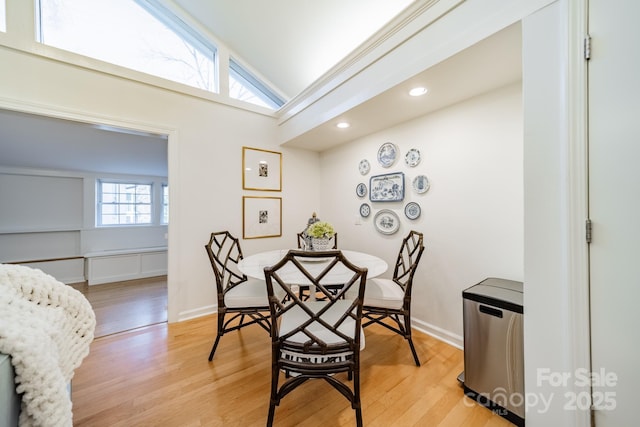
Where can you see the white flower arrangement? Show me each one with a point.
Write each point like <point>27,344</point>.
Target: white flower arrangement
<point>320,229</point>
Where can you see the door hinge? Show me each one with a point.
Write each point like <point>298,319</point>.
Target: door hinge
<point>587,47</point>
<point>588,230</point>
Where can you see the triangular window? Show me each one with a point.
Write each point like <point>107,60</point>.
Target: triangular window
<point>246,87</point>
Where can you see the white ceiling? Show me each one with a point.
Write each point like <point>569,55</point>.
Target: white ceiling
<point>489,64</point>
<point>291,43</point>
<point>41,142</point>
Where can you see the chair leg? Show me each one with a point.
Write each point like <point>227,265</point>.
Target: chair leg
<point>274,400</point>
<point>213,349</point>
<point>413,351</point>
<point>357,404</point>
<point>220,329</point>
<point>407,329</point>
<point>272,410</point>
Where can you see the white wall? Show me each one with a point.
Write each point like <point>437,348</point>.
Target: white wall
<point>205,140</point>
<point>204,157</point>
<point>472,216</point>
<point>51,215</point>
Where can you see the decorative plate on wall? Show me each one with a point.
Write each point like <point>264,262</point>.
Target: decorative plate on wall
<point>361,189</point>
<point>364,167</point>
<point>388,187</point>
<point>387,154</point>
<point>412,210</point>
<point>412,158</point>
<point>421,184</point>
<point>365,210</point>
<point>386,221</point>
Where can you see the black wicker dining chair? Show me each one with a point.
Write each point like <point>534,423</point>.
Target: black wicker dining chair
<point>239,297</point>
<point>313,339</point>
<point>391,298</point>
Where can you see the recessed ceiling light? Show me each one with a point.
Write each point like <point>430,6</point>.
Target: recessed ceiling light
<point>343,125</point>
<point>417,91</point>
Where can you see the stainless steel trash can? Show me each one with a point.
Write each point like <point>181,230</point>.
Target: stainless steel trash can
<point>493,347</point>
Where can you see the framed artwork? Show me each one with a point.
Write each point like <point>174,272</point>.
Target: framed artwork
<point>261,169</point>
<point>388,187</point>
<point>261,217</point>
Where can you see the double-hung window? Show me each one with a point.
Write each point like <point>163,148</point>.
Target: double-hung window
<point>124,203</point>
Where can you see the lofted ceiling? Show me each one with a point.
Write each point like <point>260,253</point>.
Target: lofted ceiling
<point>290,43</point>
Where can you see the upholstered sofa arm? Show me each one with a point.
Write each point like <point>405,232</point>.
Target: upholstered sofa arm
<point>9,399</point>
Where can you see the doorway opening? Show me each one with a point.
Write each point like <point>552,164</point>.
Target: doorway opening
<point>48,174</point>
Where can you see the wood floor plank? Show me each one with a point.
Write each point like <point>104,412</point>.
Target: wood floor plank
<point>160,375</point>
<point>128,305</point>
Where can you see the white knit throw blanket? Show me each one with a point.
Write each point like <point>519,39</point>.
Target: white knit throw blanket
<point>46,327</point>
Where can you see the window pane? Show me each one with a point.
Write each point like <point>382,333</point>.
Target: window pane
<point>165,204</point>
<point>110,220</point>
<point>124,33</point>
<point>127,203</point>
<point>108,187</point>
<point>109,209</point>
<point>246,87</point>
<point>3,16</point>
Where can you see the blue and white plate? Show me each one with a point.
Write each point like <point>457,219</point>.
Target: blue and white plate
<point>412,210</point>
<point>387,154</point>
<point>365,210</point>
<point>386,221</point>
<point>364,167</point>
<point>421,184</point>
<point>412,158</point>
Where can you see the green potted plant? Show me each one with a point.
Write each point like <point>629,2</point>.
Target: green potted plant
<point>321,233</point>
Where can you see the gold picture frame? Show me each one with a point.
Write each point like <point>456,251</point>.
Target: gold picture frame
<point>261,169</point>
<point>261,217</point>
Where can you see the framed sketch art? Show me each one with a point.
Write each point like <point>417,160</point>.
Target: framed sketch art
<point>388,187</point>
<point>261,217</point>
<point>261,169</point>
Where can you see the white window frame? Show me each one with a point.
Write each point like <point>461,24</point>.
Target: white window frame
<point>174,23</point>
<point>252,83</point>
<point>100,203</point>
<point>164,215</point>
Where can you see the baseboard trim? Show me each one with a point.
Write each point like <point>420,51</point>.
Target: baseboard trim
<point>424,327</point>
<point>197,312</point>
<point>439,333</point>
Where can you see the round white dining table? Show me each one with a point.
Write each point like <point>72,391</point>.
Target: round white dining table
<point>253,266</point>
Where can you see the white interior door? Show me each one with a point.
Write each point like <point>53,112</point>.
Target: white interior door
<point>614,208</point>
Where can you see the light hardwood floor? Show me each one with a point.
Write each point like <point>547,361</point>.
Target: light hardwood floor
<point>123,306</point>
<point>160,376</point>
